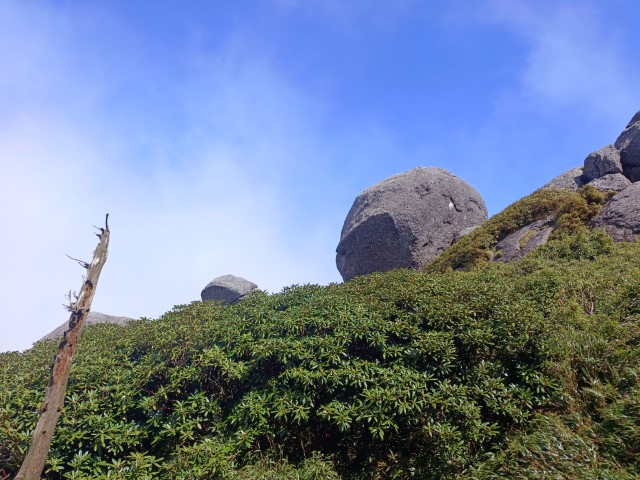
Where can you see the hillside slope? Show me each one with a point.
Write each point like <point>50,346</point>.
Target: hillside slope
<point>529,369</point>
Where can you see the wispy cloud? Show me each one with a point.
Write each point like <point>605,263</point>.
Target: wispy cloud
<point>569,75</point>
<point>207,198</point>
<point>575,57</point>
<point>574,54</point>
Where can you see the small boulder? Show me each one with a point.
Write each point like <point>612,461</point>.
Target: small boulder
<point>517,244</point>
<point>406,221</point>
<point>613,181</point>
<point>629,145</point>
<point>602,162</point>
<point>227,289</point>
<point>92,319</point>
<point>569,180</point>
<point>620,218</point>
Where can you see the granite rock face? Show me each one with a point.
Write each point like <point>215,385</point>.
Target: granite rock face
<point>92,319</point>
<point>569,180</point>
<point>628,143</point>
<point>603,162</point>
<point>613,181</point>
<point>620,218</point>
<point>406,221</point>
<point>227,289</point>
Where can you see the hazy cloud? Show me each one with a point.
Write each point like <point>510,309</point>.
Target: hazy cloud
<point>188,204</point>
<point>574,56</point>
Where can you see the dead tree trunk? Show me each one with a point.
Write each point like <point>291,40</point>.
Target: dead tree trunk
<point>51,409</point>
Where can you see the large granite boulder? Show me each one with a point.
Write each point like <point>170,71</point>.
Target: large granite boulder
<point>613,181</point>
<point>92,319</point>
<point>227,289</point>
<point>620,218</point>
<point>406,221</point>
<point>603,162</point>
<point>569,180</point>
<point>628,143</point>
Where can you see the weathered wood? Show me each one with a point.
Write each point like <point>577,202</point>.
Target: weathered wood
<point>36,457</point>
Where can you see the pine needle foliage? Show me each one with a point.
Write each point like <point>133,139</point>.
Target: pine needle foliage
<point>523,370</point>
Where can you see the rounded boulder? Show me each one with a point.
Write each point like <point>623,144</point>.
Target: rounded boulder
<point>406,221</point>
<point>227,289</point>
<point>605,161</point>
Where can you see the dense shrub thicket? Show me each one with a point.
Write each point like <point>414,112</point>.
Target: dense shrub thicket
<point>525,370</point>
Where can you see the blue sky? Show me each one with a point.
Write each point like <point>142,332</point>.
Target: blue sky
<point>231,137</point>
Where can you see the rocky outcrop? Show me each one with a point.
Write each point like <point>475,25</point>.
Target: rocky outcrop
<point>227,289</point>
<point>569,180</point>
<point>517,244</point>
<point>602,162</point>
<point>615,181</point>
<point>615,168</point>
<point>628,143</point>
<point>92,319</point>
<point>620,218</point>
<point>623,157</point>
<point>406,221</point>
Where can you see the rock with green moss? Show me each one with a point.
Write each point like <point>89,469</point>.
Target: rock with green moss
<point>519,243</point>
<point>544,215</point>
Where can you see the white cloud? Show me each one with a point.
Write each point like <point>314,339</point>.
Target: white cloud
<point>567,88</point>
<point>204,200</point>
<point>574,55</point>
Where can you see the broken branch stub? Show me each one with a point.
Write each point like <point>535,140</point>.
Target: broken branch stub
<point>36,457</point>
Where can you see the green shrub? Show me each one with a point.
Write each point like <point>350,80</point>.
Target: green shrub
<point>521,370</point>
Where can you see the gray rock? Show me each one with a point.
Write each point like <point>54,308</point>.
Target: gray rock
<point>92,319</point>
<point>629,145</point>
<point>569,180</point>
<point>406,221</point>
<point>614,181</point>
<point>464,232</point>
<point>632,173</point>
<point>602,162</point>
<point>634,119</point>
<point>620,218</point>
<point>228,289</point>
<point>517,244</point>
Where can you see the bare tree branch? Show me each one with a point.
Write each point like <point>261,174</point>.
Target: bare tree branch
<point>36,457</point>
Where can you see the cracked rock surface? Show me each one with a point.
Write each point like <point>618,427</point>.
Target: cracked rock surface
<point>620,218</point>
<point>406,221</point>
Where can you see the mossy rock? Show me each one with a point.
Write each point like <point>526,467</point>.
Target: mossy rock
<point>566,211</point>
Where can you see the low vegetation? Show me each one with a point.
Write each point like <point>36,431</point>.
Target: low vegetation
<point>525,370</point>
<point>568,211</point>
